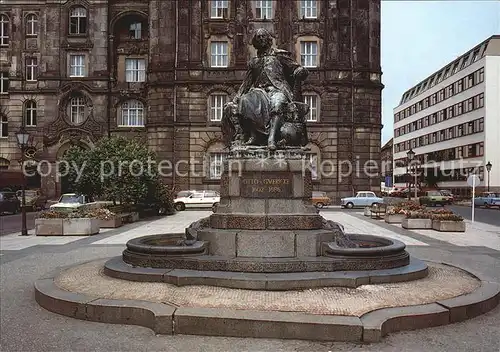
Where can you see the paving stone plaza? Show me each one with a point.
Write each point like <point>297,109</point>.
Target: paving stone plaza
<point>28,259</point>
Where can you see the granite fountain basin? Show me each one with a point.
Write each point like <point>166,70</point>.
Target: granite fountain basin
<point>166,245</point>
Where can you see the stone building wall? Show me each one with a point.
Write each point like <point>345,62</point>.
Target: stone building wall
<point>179,80</point>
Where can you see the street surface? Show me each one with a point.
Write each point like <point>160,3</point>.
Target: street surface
<point>12,223</point>
<point>25,326</point>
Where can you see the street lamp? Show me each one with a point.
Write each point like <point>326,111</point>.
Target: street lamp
<point>23,138</point>
<point>488,168</point>
<point>410,155</point>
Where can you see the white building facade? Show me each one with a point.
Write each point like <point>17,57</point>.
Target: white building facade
<point>451,121</point>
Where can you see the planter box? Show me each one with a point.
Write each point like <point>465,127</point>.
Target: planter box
<point>394,218</point>
<point>448,226</point>
<point>367,211</point>
<point>417,224</point>
<point>111,223</point>
<point>48,227</point>
<point>135,216</point>
<point>80,226</point>
<point>129,217</point>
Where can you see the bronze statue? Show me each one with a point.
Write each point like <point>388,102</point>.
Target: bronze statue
<point>267,110</point>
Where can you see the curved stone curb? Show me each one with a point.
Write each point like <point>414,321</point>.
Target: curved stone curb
<point>117,268</point>
<point>167,319</point>
<point>155,316</point>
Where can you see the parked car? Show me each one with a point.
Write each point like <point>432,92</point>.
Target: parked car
<point>433,198</point>
<point>448,194</point>
<point>9,203</point>
<point>403,192</point>
<point>362,199</point>
<point>34,199</point>
<point>487,199</point>
<point>320,199</point>
<point>197,199</point>
<point>72,201</point>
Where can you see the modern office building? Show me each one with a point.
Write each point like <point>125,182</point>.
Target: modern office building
<point>75,71</point>
<point>451,121</point>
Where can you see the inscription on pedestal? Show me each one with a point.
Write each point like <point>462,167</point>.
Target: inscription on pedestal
<point>266,185</point>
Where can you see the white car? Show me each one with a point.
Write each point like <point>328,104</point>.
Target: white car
<point>362,199</point>
<point>197,199</point>
<point>71,201</point>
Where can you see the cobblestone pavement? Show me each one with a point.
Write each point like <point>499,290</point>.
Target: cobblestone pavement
<point>25,326</point>
<point>443,282</point>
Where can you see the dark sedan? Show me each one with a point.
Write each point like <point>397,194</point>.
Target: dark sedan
<point>9,203</point>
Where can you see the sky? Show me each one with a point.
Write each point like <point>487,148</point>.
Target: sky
<point>419,37</point>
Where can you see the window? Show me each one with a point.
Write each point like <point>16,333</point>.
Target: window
<point>31,25</point>
<point>135,70</point>
<point>218,54</point>
<point>4,126</point>
<point>216,165</point>
<point>313,165</point>
<point>135,30</point>
<point>464,61</point>
<point>4,30</point>
<point>313,101</point>
<point>132,113</point>
<point>31,68</point>
<point>77,66</point>
<point>264,9</point>
<point>219,9</point>
<point>476,55</point>
<point>77,113</point>
<point>309,54</point>
<point>217,102</point>
<point>4,163</point>
<point>30,113</point>
<point>470,104</point>
<point>481,75</point>
<point>4,82</point>
<point>480,100</point>
<point>78,20</point>
<point>308,9</point>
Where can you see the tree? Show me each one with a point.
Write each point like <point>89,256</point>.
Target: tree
<point>117,169</point>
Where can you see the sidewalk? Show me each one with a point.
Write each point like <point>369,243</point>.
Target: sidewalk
<point>477,234</point>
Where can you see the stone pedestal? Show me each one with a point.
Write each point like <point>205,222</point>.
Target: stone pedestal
<point>262,190</point>
<point>265,204</point>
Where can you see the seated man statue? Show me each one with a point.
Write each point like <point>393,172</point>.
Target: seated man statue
<point>266,111</point>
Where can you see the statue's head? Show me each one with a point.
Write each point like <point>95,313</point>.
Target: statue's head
<point>262,39</point>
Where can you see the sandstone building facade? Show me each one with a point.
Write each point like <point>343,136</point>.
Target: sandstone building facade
<point>75,71</point>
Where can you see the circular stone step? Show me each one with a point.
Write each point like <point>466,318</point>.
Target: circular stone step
<point>367,313</point>
<point>117,268</point>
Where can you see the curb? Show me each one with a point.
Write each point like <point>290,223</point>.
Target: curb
<point>167,319</point>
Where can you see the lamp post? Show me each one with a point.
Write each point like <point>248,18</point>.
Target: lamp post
<point>488,168</point>
<point>410,155</point>
<point>22,140</point>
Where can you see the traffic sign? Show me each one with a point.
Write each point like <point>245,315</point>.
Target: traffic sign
<point>473,181</point>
